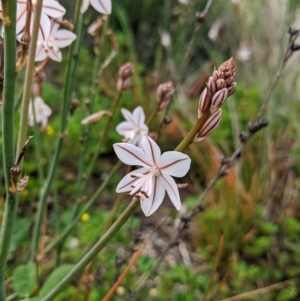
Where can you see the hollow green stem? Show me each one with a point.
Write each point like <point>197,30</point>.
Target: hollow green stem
<point>29,76</point>
<point>10,76</point>
<point>193,132</point>
<point>94,251</point>
<point>70,79</point>
<point>93,91</point>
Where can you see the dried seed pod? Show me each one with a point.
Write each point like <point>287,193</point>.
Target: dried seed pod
<point>210,125</point>
<point>15,171</point>
<point>218,99</point>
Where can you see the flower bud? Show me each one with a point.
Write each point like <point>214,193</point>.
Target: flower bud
<point>125,71</point>
<point>204,101</point>
<point>164,94</point>
<point>211,85</point>
<point>210,125</point>
<point>231,89</point>
<point>218,99</point>
<point>95,117</point>
<point>124,75</point>
<point>220,84</point>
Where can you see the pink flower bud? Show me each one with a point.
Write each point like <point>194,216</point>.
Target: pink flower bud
<point>164,94</point>
<point>219,98</point>
<point>211,85</point>
<point>211,124</point>
<point>229,81</point>
<point>205,101</point>
<point>125,71</point>
<point>231,89</point>
<point>221,84</point>
<point>123,85</point>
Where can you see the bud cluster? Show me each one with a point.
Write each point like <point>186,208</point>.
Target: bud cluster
<point>164,95</point>
<point>124,76</point>
<point>218,88</point>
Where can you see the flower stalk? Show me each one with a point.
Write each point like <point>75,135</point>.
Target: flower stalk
<point>29,77</point>
<point>70,78</point>
<point>9,85</point>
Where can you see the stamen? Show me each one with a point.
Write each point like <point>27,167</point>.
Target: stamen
<point>133,176</point>
<point>145,194</point>
<point>132,186</point>
<point>182,185</point>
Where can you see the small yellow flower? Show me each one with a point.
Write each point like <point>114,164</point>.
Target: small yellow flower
<point>85,217</point>
<point>24,192</point>
<point>49,130</point>
<point>153,292</point>
<point>121,290</point>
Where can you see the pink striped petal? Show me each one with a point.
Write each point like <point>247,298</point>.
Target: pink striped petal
<point>172,190</point>
<point>174,163</point>
<point>102,6</point>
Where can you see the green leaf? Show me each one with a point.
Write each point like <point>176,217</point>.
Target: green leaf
<point>24,279</point>
<point>55,277</point>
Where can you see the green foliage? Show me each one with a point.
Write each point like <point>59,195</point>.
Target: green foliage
<point>24,279</point>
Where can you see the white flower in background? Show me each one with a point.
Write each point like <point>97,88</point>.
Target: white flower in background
<point>41,112</point>
<point>48,45</point>
<point>165,39</point>
<point>184,2</point>
<point>244,52</point>
<point>215,29</point>
<point>150,182</point>
<point>134,128</point>
<point>51,8</point>
<point>102,6</point>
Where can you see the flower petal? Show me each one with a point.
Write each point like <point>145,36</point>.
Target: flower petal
<point>139,116</point>
<point>45,28</point>
<point>102,6</point>
<point>64,38</point>
<point>174,163</point>
<point>53,9</point>
<point>172,190</point>
<point>84,6</point>
<point>127,181</point>
<point>149,205</point>
<point>151,150</point>
<point>55,54</point>
<point>125,129</point>
<point>40,54</point>
<point>128,116</point>
<point>21,17</point>
<point>131,154</point>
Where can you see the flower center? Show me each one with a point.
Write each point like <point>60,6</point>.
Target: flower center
<point>144,184</point>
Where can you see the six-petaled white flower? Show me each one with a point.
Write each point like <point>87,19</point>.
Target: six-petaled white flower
<point>41,112</point>
<point>134,128</point>
<point>102,6</point>
<point>48,45</point>
<point>50,8</point>
<point>150,182</point>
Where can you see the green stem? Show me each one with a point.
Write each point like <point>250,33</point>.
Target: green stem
<point>84,209</point>
<point>70,79</point>
<point>93,91</point>
<point>94,251</point>
<point>29,76</point>
<point>193,132</point>
<point>10,76</point>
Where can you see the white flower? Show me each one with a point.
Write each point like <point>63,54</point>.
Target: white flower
<point>134,128</point>
<point>102,6</point>
<point>244,53</point>
<point>48,45</point>
<point>150,182</point>
<point>41,112</point>
<point>50,8</point>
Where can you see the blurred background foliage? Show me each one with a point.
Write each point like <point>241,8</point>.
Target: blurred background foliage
<point>246,240</point>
